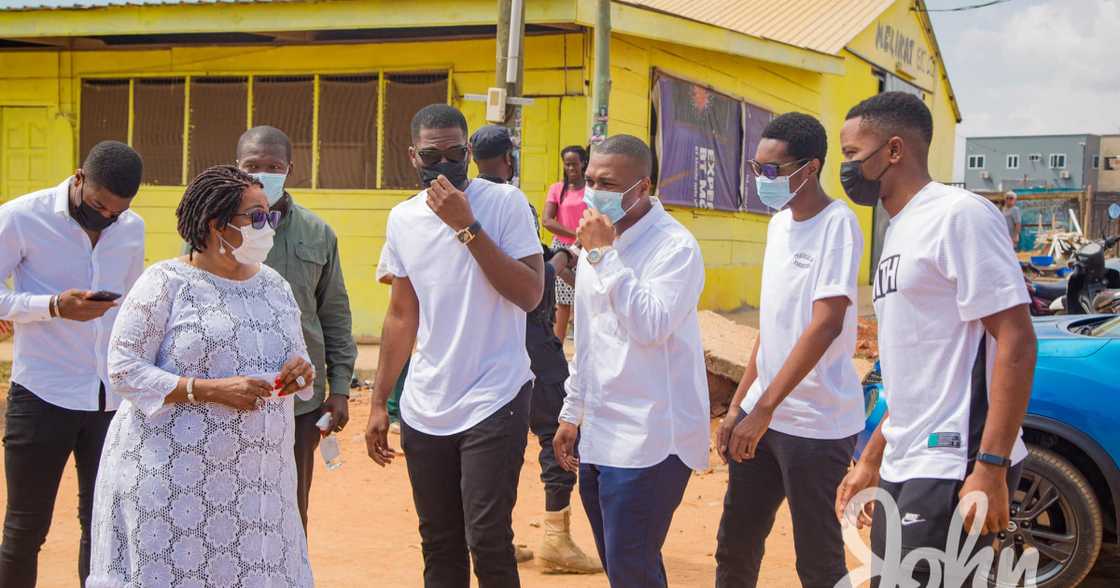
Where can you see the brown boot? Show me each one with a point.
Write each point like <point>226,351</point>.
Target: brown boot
<point>522,553</point>
<point>558,553</point>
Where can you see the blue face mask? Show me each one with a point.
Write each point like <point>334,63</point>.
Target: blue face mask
<point>775,192</point>
<point>609,204</point>
<point>273,185</point>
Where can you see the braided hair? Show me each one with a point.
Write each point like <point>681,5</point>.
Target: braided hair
<point>584,159</point>
<point>215,194</point>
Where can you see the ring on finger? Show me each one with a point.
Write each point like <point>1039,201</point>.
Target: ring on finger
<point>301,382</point>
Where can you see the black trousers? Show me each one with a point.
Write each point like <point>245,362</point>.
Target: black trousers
<point>926,507</point>
<point>307,441</point>
<point>38,440</point>
<point>464,487</point>
<point>548,400</point>
<point>803,471</point>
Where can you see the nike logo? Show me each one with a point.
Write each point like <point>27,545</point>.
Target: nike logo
<point>912,519</point>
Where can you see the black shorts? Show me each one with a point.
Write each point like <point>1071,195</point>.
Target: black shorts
<point>925,515</point>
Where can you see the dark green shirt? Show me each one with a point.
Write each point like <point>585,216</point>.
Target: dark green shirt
<point>305,253</point>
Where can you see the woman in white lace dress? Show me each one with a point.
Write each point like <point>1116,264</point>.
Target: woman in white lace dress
<point>198,486</point>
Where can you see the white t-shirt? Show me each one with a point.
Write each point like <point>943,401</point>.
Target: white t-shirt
<point>946,264</point>
<point>470,357</point>
<point>808,261</point>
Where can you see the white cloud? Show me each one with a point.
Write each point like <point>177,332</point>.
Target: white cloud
<point>1033,66</point>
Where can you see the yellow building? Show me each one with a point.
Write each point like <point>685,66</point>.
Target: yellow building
<point>181,79</point>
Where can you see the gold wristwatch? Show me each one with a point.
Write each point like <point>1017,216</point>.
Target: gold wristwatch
<point>468,234</point>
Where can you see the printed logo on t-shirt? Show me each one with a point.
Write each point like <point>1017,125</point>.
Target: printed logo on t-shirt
<point>952,440</point>
<point>803,260</point>
<point>886,278</point>
<point>911,518</point>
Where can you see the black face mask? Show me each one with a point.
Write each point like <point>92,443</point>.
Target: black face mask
<point>861,190</point>
<point>456,173</point>
<point>88,217</point>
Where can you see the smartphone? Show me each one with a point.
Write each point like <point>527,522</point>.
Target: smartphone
<point>103,296</point>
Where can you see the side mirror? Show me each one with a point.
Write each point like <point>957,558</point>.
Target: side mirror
<point>1114,211</point>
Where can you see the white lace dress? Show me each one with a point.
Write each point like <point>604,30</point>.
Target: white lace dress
<point>193,495</point>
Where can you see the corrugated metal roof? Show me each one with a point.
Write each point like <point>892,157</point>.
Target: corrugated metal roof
<point>78,4</point>
<point>819,25</point>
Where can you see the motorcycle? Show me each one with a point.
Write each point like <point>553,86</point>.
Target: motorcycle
<point>1093,286</point>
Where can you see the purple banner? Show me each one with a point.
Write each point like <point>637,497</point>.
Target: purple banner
<point>700,146</point>
<point>755,120</point>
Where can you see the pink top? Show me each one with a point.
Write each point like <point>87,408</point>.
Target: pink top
<point>569,211</point>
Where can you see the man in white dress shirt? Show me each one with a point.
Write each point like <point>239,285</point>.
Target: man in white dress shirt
<point>637,397</point>
<point>70,250</point>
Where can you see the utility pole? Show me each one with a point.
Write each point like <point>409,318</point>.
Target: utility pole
<point>601,89</point>
<point>509,70</point>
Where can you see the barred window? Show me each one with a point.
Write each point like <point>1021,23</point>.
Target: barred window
<point>157,129</point>
<point>104,113</point>
<point>348,131</point>
<point>405,95</point>
<point>219,114</point>
<point>288,103</point>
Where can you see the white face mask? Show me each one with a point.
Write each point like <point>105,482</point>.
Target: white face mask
<point>255,244</point>
<point>609,203</point>
<point>775,193</point>
<point>273,185</point>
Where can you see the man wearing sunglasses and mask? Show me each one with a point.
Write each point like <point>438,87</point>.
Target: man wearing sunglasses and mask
<point>791,427</point>
<point>637,397</point>
<point>465,267</point>
<point>956,343</point>
<point>72,251</point>
<point>305,253</point>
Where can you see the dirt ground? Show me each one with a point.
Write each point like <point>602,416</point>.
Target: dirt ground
<point>363,528</point>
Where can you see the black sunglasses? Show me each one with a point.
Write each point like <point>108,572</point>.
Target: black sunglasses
<point>772,170</point>
<point>259,218</point>
<point>432,156</point>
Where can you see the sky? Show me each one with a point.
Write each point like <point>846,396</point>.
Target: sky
<point>1032,66</point>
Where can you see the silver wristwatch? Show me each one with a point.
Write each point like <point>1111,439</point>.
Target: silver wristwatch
<point>596,255</point>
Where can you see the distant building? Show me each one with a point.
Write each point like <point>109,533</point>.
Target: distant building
<point>1055,162</point>
<point>1109,174</point>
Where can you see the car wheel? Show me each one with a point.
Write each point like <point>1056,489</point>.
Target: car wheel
<point>1056,512</point>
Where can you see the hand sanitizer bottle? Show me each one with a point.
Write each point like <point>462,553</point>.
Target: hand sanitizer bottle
<point>328,445</point>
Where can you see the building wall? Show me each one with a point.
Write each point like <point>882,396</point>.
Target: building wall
<point>895,44</point>
<point>1109,179</point>
<point>1032,174</point>
<point>732,243</point>
<point>49,83</point>
<point>557,77</point>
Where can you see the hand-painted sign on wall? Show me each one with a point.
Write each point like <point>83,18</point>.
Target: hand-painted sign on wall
<point>899,45</point>
<point>904,48</point>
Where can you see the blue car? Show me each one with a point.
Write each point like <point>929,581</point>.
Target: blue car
<point>1066,504</point>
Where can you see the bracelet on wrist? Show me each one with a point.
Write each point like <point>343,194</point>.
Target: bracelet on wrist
<point>190,391</point>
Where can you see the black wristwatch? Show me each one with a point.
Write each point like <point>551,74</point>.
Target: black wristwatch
<point>993,459</point>
<point>468,234</point>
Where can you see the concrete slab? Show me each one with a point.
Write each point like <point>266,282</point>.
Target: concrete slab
<point>727,345</point>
